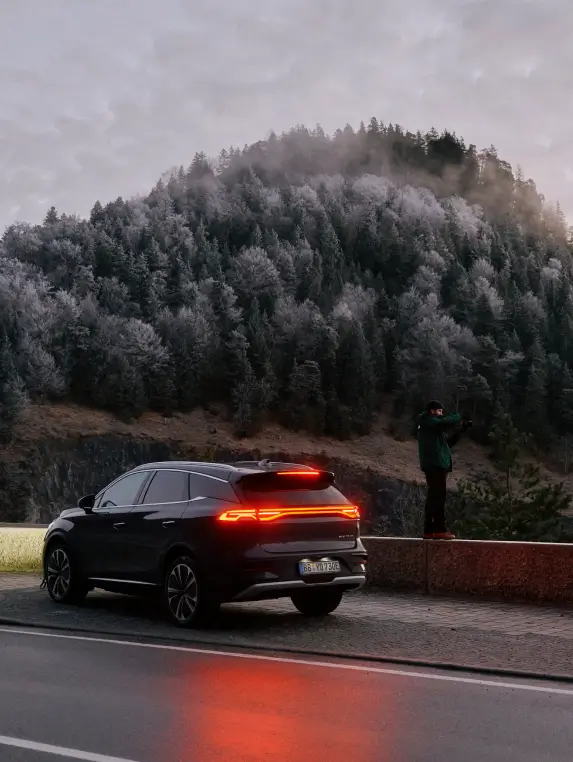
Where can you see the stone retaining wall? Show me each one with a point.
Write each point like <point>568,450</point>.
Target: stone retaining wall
<point>535,572</point>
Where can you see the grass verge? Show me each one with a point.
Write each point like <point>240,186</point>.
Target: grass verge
<point>21,549</point>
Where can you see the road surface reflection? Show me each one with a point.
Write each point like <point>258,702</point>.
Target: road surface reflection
<point>236,710</point>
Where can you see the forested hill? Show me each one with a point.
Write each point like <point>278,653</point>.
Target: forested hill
<point>301,279</point>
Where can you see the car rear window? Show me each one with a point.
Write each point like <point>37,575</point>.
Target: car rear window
<point>327,496</point>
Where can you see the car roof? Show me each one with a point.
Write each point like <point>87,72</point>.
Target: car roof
<point>227,471</point>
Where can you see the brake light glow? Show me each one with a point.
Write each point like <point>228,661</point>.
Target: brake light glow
<point>272,514</point>
<point>298,473</point>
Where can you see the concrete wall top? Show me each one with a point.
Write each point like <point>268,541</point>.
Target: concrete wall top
<point>535,572</point>
<point>512,543</point>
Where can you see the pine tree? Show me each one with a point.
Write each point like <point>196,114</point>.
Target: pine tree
<point>513,503</point>
<point>305,408</point>
<point>259,334</point>
<point>121,389</point>
<point>251,399</point>
<point>237,366</point>
<point>51,217</point>
<point>332,260</point>
<point>12,391</point>
<point>534,413</point>
<point>355,373</point>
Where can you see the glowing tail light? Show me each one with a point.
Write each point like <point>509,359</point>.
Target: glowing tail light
<point>298,473</point>
<point>272,514</point>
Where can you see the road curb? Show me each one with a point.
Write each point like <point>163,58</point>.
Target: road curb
<point>269,647</point>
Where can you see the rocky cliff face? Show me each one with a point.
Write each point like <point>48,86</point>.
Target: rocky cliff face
<point>55,473</point>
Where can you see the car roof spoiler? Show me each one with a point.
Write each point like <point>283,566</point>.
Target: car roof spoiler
<point>269,465</point>
<point>287,477</point>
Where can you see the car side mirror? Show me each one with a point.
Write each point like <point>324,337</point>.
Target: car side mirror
<point>87,503</point>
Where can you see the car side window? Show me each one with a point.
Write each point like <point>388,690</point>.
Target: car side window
<point>124,491</point>
<point>167,487</point>
<point>204,486</point>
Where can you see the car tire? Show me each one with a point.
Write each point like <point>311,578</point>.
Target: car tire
<point>317,602</point>
<point>185,599</point>
<point>63,579</point>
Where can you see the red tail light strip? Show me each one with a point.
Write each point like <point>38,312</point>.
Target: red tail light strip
<point>271,514</point>
<point>298,473</point>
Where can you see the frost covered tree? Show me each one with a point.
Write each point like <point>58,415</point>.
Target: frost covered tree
<point>303,278</point>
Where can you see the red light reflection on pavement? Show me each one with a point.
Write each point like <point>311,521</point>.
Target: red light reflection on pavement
<point>236,710</point>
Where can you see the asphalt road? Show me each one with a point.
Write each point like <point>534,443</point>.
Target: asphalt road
<point>111,701</point>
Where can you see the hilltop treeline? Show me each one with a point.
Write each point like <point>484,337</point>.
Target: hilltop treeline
<point>301,278</point>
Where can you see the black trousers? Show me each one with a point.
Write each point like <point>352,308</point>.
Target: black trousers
<point>435,513</point>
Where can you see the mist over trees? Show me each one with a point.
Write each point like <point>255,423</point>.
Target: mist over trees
<point>301,278</point>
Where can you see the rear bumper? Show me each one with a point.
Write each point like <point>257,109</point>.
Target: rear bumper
<point>270,590</point>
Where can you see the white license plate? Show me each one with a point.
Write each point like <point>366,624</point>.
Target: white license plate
<point>318,567</point>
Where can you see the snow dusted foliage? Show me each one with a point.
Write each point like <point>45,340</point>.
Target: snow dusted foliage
<point>489,293</point>
<point>303,277</point>
<point>466,218</point>
<point>435,261</point>
<point>418,205</point>
<point>355,303</point>
<point>482,270</point>
<point>253,275</point>
<point>552,270</point>
<point>427,280</point>
<point>301,327</point>
<point>372,189</point>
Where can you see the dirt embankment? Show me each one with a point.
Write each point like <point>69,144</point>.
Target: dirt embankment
<point>202,431</point>
<point>62,451</point>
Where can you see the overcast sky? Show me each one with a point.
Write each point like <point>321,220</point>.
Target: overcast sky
<point>99,97</point>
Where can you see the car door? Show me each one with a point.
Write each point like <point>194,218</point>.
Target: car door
<point>105,553</point>
<point>154,524</point>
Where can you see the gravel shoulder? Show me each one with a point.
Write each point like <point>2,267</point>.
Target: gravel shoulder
<point>381,625</point>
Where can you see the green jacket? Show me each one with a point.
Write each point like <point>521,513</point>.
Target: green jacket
<point>433,440</point>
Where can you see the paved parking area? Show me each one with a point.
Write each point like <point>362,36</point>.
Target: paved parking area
<point>470,632</point>
<point>19,581</point>
<point>507,618</point>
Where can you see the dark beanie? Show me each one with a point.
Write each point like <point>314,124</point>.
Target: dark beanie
<point>434,405</point>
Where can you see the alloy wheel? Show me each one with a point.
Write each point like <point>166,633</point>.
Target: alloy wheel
<point>182,592</point>
<point>58,574</point>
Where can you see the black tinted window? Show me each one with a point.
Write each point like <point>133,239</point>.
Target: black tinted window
<point>168,487</point>
<point>327,496</point>
<point>124,491</point>
<point>204,486</point>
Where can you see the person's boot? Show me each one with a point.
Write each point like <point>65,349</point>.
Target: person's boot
<point>443,536</point>
<point>429,536</point>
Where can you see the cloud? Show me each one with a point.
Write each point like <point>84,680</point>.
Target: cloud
<point>100,98</point>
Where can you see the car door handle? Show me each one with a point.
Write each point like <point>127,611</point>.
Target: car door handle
<point>119,524</point>
<point>167,523</point>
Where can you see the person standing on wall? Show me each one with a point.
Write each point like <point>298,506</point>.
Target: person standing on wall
<point>437,433</point>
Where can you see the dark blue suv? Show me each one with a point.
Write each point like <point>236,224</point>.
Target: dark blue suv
<point>202,534</point>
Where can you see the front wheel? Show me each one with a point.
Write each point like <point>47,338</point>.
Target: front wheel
<point>317,602</point>
<point>63,580</point>
<point>184,596</point>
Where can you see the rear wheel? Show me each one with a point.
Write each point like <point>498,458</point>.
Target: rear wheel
<point>185,598</point>
<point>317,602</point>
<point>63,579</point>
